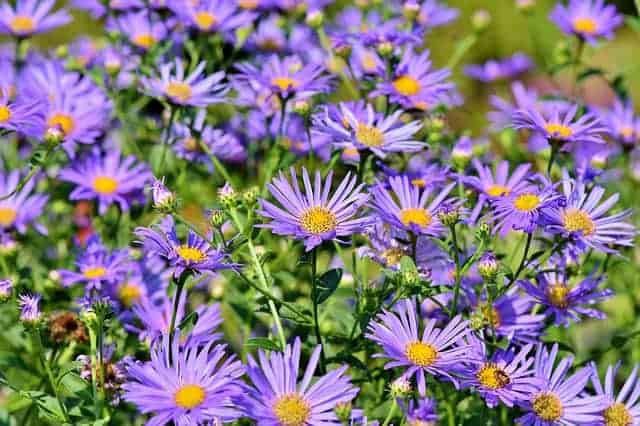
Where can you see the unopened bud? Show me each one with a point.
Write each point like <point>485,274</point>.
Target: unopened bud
<point>250,196</point>
<point>302,107</point>
<point>449,214</point>
<point>217,218</point>
<point>488,266</point>
<point>410,10</point>
<point>315,18</point>
<point>163,199</point>
<point>385,48</point>
<point>54,136</point>
<point>525,5</point>
<point>6,289</point>
<point>400,387</point>
<point>480,20</point>
<point>227,195</point>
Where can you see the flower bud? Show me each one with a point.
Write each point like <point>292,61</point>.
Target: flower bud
<point>400,387</point>
<point>315,18</point>
<point>227,195</point>
<point>217,218</point>
<point>6,289</point>
<point>525,6</point>
<point>488,266</point>
<point>302,107</point>
<point>410,278</point>
<point>480,20</point>
<point>385,48</point>
<point>342,48</point>
<point>250,196</point>
<point>53,136</point>
<point>449,214</point>
<point>163,199</point>
<point>410,10</point>
<point>343,411</point>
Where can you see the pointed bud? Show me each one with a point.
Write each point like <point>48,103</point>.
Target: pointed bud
<point>163,199</point>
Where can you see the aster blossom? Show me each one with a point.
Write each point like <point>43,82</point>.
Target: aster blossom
<point>624,125</point>
<point>314,216</point>
<point>587,19</point>
<point>22,208</point>
<point>213,15</point>
<point>22,116</point>
<point>143,29</point>
<point>31,17</point>
<point>622,408</point>
<point>29,305</point>
<point>277,397</point>
<point>494,70</point>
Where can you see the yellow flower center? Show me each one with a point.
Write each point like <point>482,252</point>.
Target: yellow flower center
<point>94,272</point>
<point>617,415</point>
<point>270,44</point>
<point>557,295</point>
<point>5,113</point>
<point>578,220</point>
<point>625,132</point>
<point>291,410</point>
<point>191,254</point>
<point>421,105</point>
<point>490,315</point>
<point>205,20</point>
<point>284,83</point>
<point>191,144</point>
<point>547,406</point>
<point>63,121</point>
<point>350,152</point>
<point>105,185</point>
<point>420,183</point>
<point>493,377</point>
<point>369,136</point>
<point>558,130</point>
<point>178,90</point>
<point>422,354</point>
<point>526,202</point>
<point>129,293</point>
<point>318,220</point>
<point>189,396</point>
<point>144,40</point>
<point>392,256</point>
<point>368,62</point>
<point>248,4</point>
<point>22,24</point>
<point>407,85</point>
<point>497,190</point>
<point>7,216</point>
<point>417,216</point>
<point>585,25</point>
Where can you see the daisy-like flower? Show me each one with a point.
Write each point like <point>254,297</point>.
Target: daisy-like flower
<point>494,70</point>
<point>366,62</point>
<point>210,16</point>
<point>29,308</point>
<point>416,85</point>
<point>193,385</point>
<point>6,289</point>
<point>30,17</point>
<point>108,179</point>
<point>23,208</point>
<point>434,13</point>
<point>622,409</point>
<point>505,377</point>
<point>432,351</point>
<point>375,132</point>
<point>277,397</point>
<point>560,400</point>
<point>21,116</point>
<point>286,78</point>
<point>421,413</point>
<point>408,207</point>
<point>583,220</point>
<point>195,254</point>
<point>587,19</point>
<point>96,266</point>
<point>180,89</point>
<point>314,216</point>
<point>142,31</point>
<point>624,125</point>
<point>502,115</point>
<point>565,301</point>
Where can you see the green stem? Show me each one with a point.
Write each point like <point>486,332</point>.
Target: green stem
<point>216,163</point>
<point>461,49</point>
<point>314,300</point>
<point>176,303</point>
<point>458,277</point>
<point>552,157</point>
<point>97,398</point>
<point>165,140</point>
<point>47,366</point>
<point>270,296</point>
<point>523,261</point>
<point>392,412</point>
<point>34,170</point>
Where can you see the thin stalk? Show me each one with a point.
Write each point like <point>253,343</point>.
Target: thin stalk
<point>523,261</point>
<point>552,157</point>
<point>97,397</point>
<point>47,366</point>
<point>392,412</point>
<point>176,303</point>
<point>165,140</point>
<point>269,295</point>
<point>458,277</point>
<point>216,163</point>
<point>314,300</point>
<point>34,170</point>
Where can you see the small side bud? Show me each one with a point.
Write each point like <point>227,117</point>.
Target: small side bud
<point>164,200</point>
<point>488,266</point>
<point>480,20</point>
<point>228,196</point>
<point>6,289</point>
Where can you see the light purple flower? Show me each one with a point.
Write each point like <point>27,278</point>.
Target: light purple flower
<point>587,19</point>
<point>30,17</point>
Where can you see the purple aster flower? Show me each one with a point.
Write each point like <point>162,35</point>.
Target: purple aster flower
<point>504,377</point>
<point>587,19</point>
<point>415,85</point>
<point>623,408</point>
<point>180,89</point>
<point>94,7</point>
<point>408,207</point>
<point>434,13</point>
<point>276,397</point>
<point>142,30</point>
<point>96,266</point>
<point>313,216</point>
<point>560,400</point>
<point>211,16</point>
<point>421,413</point>
<point>21,116</point>
<point>366,62</point>
<point>502,115</point>
<point>375,132</point>
<point>432,351</point>
<point>195,254</point>
<point>30,17</point>
<point>29,308</point>
<point>193,385</point>
<point>623,124</point>
<point>285,78</point>
<point>582,218</point>
<point>268,36</point>
<point>565,301</point>
<point>494,70</point>
<point>84,51</point>
<point>23,208</point>
<point>109,179</point>
<point>6,289</point>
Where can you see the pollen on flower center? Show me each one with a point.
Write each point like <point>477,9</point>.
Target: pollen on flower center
<point>63,121</point>
<point>5,113</point>
<point>558,130</point>
<point>205,20</point>
<point>617,414</point>
<point>420,183</point>
<point>493,377</point>
<point>190,254</point>
<point>189,396</point>
<point>422,354</point>
<point>368,62</point>
<point>292,410</point>
<point>191,144</point>
<point>547,406</point>
<point>626,131</point>
<point>318,220</point>
<point>129,293</point>
<point>22,24</point>
<point>248,4</point>
<point>144,40</point>
<point>497,190</point>
<point>178,90</point>
<point>105,185</point>
<point>526,202</point>
<point>369,136</point>
<point>392,256</point>
<point>585,25</point>
<point>7,216</point>
<point>557,295</point>
<point>490,315</point>
<point>578,220</point>
<point>407,85</point>
<point>284,83</point>
<point>417,216</point>
<point>94,272</point>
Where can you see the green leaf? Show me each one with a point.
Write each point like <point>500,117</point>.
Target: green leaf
<point>589,72</point>
<point>327,284</point>
<point>407,265</point>
<point>262,342</point>
<point>189,320</point>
